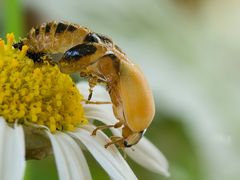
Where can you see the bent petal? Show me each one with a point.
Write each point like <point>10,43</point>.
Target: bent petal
<point>70,160</point>
<point>12,152</point>
<point>102,113</point>
<point>145,154</point>
<point>110,159</point>
<point>148,156</point>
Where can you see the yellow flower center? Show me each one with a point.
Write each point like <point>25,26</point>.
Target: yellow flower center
<point>38,94</point>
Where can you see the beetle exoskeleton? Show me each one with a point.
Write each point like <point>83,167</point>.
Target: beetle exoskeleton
<point>131,97</point>
<point>97,58</point>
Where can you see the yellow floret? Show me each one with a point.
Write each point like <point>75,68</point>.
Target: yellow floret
<point>35,93</point>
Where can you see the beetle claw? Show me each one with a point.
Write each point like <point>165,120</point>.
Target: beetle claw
<point>94,132</point>
<point>106,145</point>
<point>90,95</point>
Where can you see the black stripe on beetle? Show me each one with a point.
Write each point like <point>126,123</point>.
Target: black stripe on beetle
<point>61,27</point>
<point>37,31</point>
<point>79,51</point>
<point>92,37</point>
<point>71,28</point>
<point>48,27</point>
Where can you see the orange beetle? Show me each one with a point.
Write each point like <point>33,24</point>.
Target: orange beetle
<point>131,97</point>
<point>97,58</point>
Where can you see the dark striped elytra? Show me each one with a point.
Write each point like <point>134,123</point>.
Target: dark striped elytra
<point>61,27</point>
<point>71,28</point>
<point>92,37</point>
<point>48,27</point>
<point>78,51</point>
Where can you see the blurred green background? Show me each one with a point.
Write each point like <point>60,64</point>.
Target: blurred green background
<point>189,51</point>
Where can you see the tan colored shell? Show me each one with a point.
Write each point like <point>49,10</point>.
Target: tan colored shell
<point>138,103</point>
<point>55,37</point>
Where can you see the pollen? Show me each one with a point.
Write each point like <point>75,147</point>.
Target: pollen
<point>37,93</point>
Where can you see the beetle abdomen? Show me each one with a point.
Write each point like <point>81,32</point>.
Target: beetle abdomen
<point>55,37</point>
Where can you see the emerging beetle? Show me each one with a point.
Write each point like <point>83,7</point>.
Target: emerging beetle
<point>97,58</point>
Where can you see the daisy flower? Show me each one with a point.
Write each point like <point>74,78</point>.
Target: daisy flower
<point>42,112</point>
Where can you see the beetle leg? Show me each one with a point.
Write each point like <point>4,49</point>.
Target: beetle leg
<point>101,128</point>
<point>96,102</point>
<point>115,140</point>
<point>120,143</point>
<point>117,125</point>
<point>92,83</point>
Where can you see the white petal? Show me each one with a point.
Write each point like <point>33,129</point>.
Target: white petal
<point>110,159</point>
<point>102,113</point>
<point>12,152</point>
<point>99,92</point>
<point>69,158</point>
<point>148,156</point>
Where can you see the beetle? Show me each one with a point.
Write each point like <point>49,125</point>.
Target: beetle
<point>97,58</point>
<point>131,97</point>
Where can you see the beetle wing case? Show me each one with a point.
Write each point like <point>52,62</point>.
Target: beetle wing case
<point>137,98</point>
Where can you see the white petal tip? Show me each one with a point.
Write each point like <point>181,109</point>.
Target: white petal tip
<point>165,173</point>
<point>163,170</point>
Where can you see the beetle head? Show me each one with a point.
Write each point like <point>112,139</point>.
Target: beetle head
<point>133,138</point>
